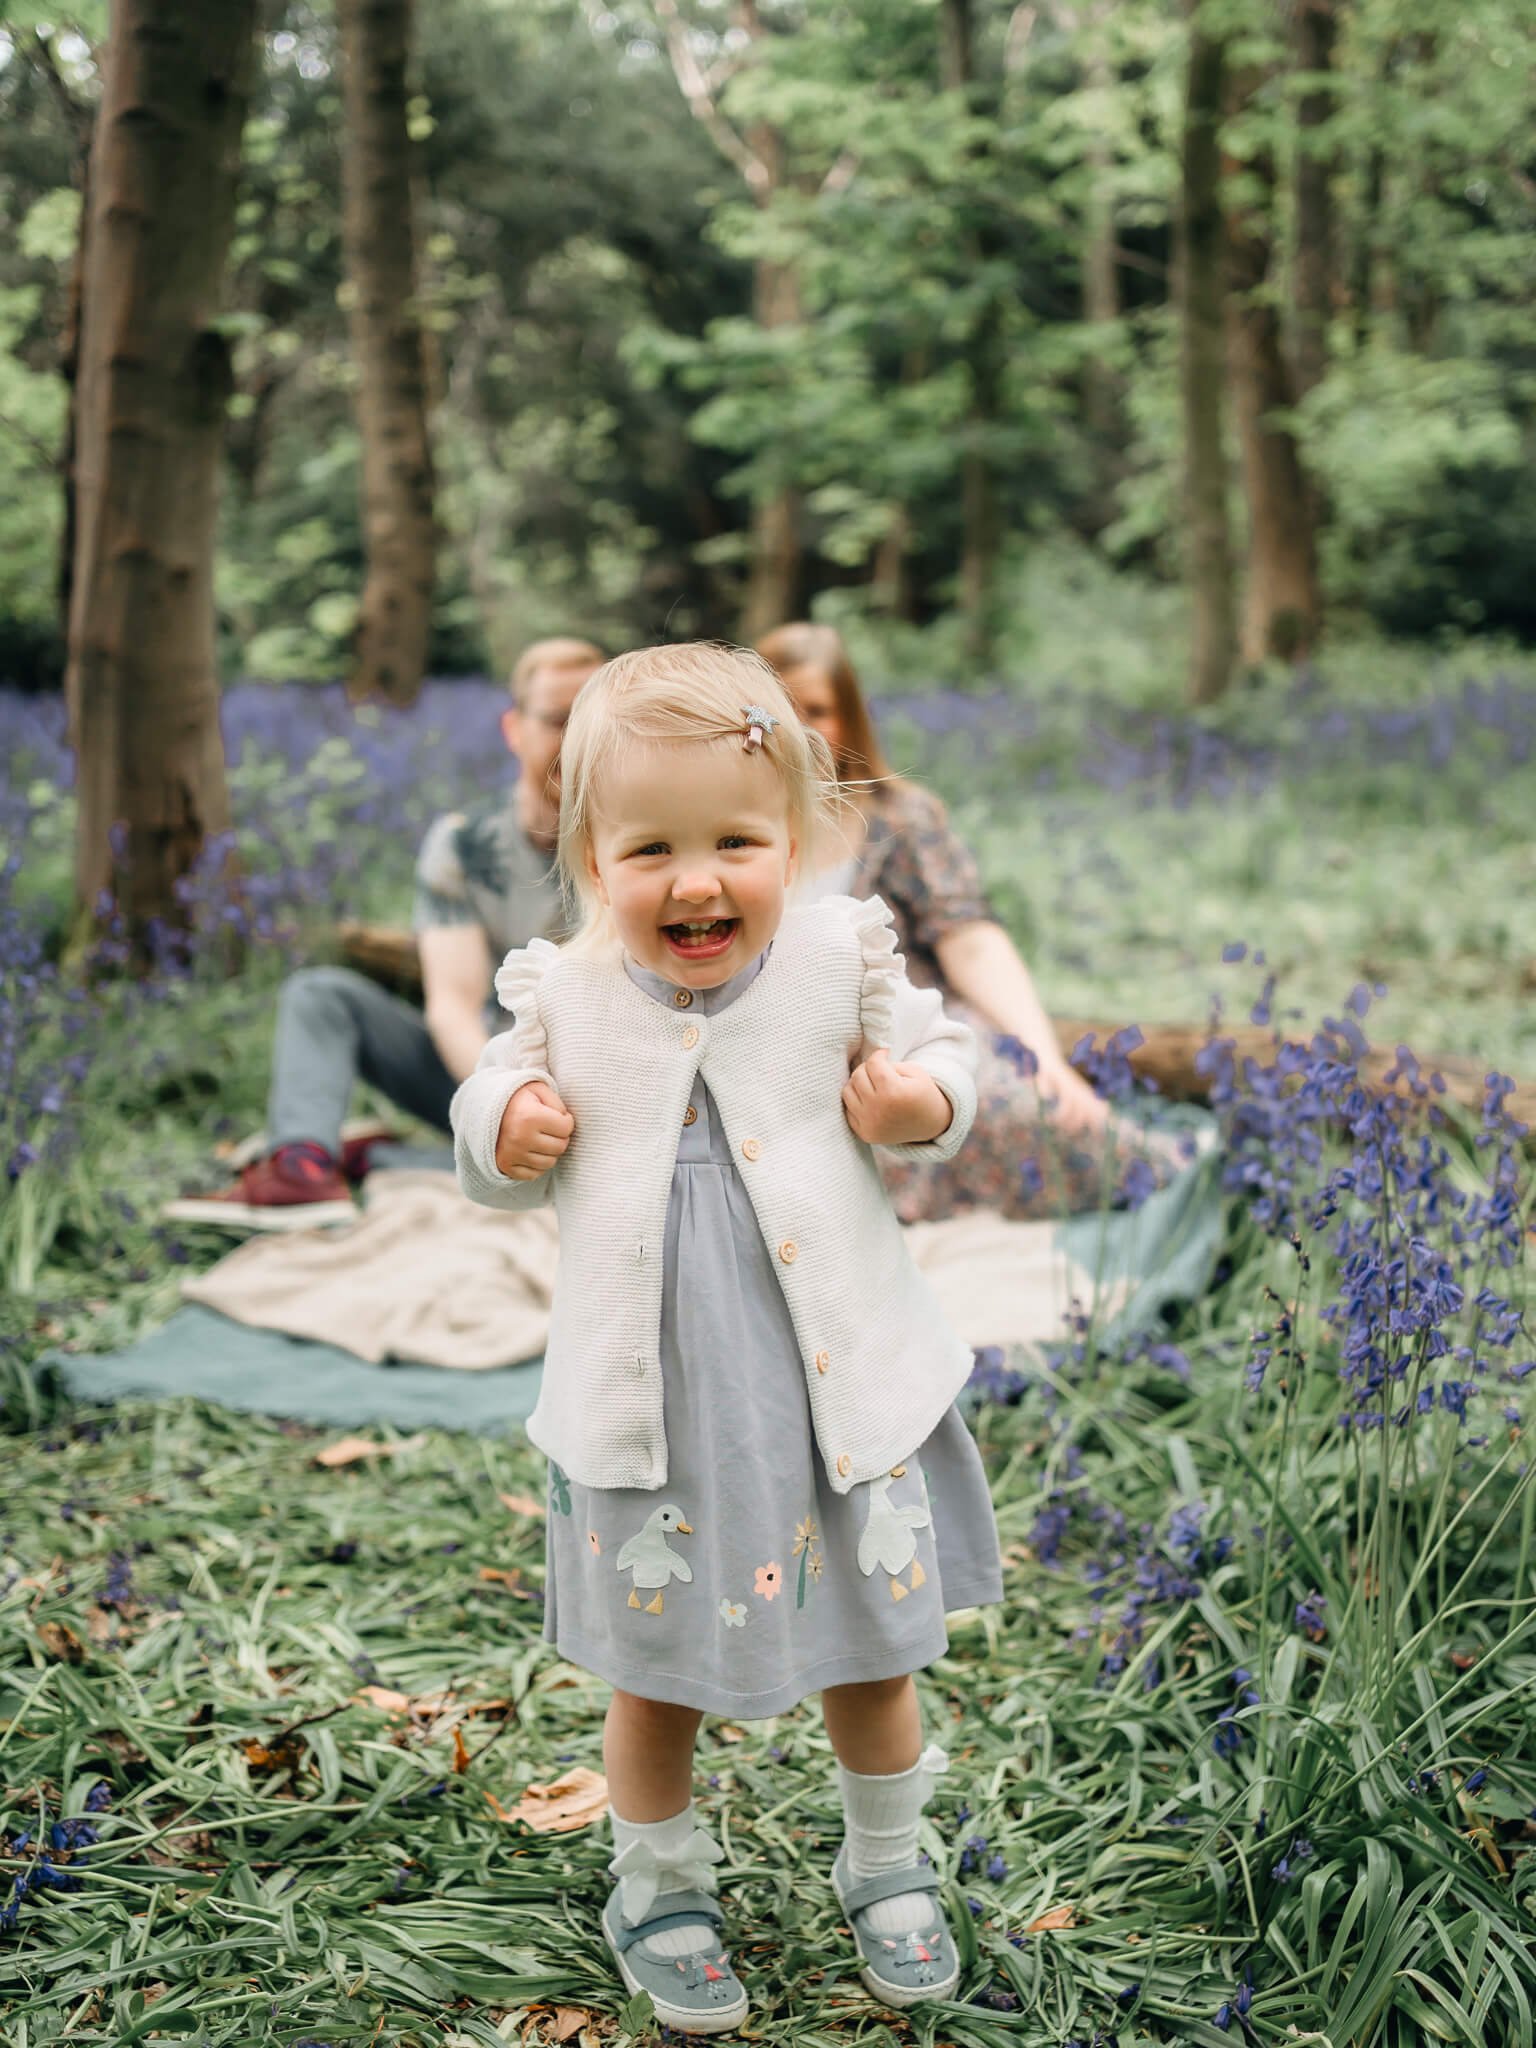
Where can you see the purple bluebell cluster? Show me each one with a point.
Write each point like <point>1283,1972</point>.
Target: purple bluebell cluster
<point>1287,737</point>
<point>330,805</point>
<point>69,1839</point>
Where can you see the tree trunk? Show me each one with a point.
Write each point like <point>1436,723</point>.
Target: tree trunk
<point>1202,368</point>
<point>1281,607</point>
<point>777,559</point>
<point>776,564</point>
<point>154,378</point>
<point>69,370</point>
<point>980,523</point>
<point>1101,287</point>
<point>1316,26</point>
<point>379,235</point>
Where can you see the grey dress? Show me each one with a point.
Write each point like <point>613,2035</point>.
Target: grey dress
<point>745,1582</point>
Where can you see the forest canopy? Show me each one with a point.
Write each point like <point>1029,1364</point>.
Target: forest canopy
<point>858,303</point>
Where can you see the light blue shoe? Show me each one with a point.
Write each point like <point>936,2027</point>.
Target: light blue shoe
<point>899,1969</point>
<point>695,1994</point>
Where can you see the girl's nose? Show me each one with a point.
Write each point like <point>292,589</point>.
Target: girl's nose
<point>698,887</point>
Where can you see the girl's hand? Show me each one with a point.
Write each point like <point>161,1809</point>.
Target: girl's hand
<point>535,1129</point>
<point>892,1102</point>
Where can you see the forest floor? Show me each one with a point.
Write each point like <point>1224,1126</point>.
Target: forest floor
<point>1245,1755</point>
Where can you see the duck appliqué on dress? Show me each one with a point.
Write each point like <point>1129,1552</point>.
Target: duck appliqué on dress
<point>889,1542</point>
<point>649,1560</point>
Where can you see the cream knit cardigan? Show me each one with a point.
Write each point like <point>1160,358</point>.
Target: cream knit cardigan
<point>881,1364</point>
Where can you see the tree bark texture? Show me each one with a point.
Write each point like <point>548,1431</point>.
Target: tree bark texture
<point>379,237</point>
<point>1314,33</point>
<point>153,380</point>
<point>775,571</point>
<point>1202,368</point>
<point>1101,284</point>
<point>980,523</point>
<point>1281,604</point>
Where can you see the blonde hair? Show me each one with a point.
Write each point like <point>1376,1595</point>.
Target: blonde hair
<point>559,653</point>
<point>694,693</point>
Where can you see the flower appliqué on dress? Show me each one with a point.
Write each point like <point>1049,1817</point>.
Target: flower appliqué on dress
<point>769,1582</point>
<point>734,1613</point>
<point>811,1560</point>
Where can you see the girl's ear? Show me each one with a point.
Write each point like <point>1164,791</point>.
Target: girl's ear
<point>792,865</point>
<point>596,878</point>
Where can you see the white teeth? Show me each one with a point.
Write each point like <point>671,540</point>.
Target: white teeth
<point>699,931</point>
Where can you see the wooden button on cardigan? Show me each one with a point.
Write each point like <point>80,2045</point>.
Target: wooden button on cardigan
<point>775,1062</point>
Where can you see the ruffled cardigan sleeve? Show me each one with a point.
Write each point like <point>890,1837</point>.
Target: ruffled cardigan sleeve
<point>507,1063</point>
<point>910,1023</point>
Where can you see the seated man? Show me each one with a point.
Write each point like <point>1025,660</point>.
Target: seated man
<point>485,882</point>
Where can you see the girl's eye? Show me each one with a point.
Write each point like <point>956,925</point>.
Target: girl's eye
<point>736,839</point>
<point>655,846</point>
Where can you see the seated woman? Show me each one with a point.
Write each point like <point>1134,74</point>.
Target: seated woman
<point>1043,1144</point>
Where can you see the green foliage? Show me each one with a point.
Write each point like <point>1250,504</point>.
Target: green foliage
<point>610,401</point>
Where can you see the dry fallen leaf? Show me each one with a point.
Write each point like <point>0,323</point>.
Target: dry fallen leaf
<point>493,1575</point>
<point>1049,1923</point>
<point>351,1450</point>
<point>460,1753</point>
<point>561,1807</point>
<point>284,1755</point>
<point>61,1642</point>
<point>524,1504</point>
<point>380,1696</point>
<point>569,2019</point>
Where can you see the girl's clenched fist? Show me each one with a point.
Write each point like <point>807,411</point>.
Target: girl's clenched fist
<point>893,1102</point>
<point>535,1129</point>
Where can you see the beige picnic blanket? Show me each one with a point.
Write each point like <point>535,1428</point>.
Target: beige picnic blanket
<point>426,1275</point>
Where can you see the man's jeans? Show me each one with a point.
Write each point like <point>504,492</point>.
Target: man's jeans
<point>334,1028</point>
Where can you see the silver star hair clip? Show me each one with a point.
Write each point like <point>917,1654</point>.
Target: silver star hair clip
<point>760,724</point>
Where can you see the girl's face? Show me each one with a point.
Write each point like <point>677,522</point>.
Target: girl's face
<point>691,852</point>
<point>816,701</point>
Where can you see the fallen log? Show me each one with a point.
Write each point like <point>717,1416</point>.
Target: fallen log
<point>1166,1055</point>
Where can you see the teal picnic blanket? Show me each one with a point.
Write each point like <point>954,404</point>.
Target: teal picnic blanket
<point>263,1372</point>
<point>1133,1265</point>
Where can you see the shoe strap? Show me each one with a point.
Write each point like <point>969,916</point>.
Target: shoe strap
<point>890,1884</point>
<point>683,1909</point>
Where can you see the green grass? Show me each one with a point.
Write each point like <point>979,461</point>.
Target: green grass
<point>285,1862</point>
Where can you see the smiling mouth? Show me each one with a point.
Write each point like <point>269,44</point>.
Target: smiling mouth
<point>702,939</point>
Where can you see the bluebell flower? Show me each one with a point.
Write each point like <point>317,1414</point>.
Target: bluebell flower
<point>1309,1614</point>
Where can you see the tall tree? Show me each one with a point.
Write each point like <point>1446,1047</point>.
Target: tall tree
<point>1281,602</point>
<point>775,561</point>
<point>981,533</point>
<point>388,342</point>
<point>152,382</point>
<point>1202,365</point>
<point>1314,31</point>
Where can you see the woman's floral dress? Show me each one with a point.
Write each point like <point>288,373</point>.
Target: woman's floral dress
<point>1013,1161</point>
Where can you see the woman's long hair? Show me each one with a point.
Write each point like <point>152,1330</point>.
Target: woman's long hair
<point>860,757</point>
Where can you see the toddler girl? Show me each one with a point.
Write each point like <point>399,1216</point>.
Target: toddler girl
<point>759,1485</point>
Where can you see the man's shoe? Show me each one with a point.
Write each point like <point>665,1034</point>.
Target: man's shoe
<point>299,1188</point>
<point>359,1135</point>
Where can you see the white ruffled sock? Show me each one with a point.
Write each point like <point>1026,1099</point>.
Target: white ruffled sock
<point>667,1839</point>
<point>881,1816</point>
